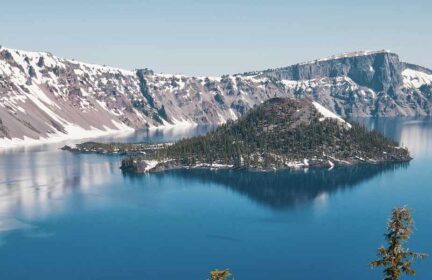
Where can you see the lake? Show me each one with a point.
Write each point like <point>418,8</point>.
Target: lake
<point>76,216</point>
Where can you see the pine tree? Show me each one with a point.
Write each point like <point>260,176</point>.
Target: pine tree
<point>220,274</point>
<point>396,259</point>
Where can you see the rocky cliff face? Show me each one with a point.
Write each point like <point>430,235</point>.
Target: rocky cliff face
<point>376,70</point>
<point>360,84</point>
<point>46,98</point>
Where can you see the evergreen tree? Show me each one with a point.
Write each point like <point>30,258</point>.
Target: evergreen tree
<point>220,274</point>
<point>396,259</point>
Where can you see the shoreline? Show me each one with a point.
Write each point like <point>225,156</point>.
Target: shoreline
<point>9,144</point>
<point>83,134</point>
<point>150,166</point>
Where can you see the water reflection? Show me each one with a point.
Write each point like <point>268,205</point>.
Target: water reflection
<point>52,202</point>
<point>36,181</point>
<point>415,133</point>
<point>160,135</point>
<point>34,185</point>
<point>284,189</point>
<point>157,135</point>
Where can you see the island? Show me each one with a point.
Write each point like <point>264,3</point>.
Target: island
<point>280,133</point>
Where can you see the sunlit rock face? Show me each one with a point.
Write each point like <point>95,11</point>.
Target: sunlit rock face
<point>44,97</point>
<point>361,84</point>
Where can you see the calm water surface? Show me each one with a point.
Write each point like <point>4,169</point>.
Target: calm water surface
<point>67,216</point>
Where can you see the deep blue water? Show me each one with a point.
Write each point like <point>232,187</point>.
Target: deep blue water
<point>67,216</point>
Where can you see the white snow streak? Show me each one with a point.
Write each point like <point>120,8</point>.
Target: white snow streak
<point>327,114</point>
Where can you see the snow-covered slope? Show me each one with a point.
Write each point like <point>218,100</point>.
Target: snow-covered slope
<point>44,98</point>
<point>327,114</point>
<point>415,79</point>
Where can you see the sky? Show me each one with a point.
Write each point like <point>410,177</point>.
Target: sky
<point>199,37</point>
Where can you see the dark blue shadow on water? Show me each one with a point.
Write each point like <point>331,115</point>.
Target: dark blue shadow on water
<point>283,189</point>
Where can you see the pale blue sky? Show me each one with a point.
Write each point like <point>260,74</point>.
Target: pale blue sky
<point>216,37</point>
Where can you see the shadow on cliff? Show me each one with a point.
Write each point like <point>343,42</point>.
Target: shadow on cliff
<point>283,189</point>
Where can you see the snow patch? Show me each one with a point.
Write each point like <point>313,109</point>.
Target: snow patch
<point>175,124</point>
<point>415,79</point>
<point>327,114</point>
<point>74,132</point>
<point>150,165</point>
<point>346,55</point>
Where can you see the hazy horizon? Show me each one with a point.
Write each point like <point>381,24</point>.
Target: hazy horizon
<point>205,38</point>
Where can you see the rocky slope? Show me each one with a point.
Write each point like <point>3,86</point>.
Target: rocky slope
<point>46,98</point>
<point>280,133</point>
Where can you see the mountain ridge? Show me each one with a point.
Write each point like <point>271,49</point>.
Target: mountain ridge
<point>44,97</point>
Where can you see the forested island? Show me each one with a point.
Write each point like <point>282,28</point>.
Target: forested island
<point>278,134</point>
